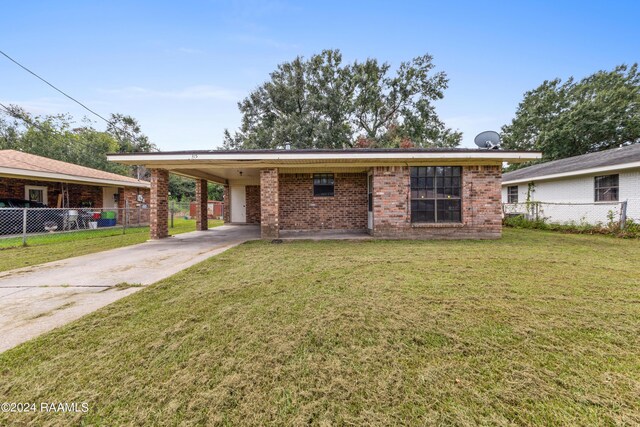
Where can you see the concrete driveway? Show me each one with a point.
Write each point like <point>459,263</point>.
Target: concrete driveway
<point>36,299</point>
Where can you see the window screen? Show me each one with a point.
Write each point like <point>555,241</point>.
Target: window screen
<point>323,185</point>
<point>606,188</point>
<point>512,194</point>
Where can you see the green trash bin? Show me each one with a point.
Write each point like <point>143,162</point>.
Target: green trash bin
<point>108,215</point>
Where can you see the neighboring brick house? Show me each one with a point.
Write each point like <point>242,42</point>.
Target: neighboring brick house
<point>389,193</point>
<point>62,184</point>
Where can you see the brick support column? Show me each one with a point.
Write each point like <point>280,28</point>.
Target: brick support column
<point>202,197</point>
<point>269,204</point>
<point>159,204</point>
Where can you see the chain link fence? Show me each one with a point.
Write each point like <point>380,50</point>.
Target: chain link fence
<point>187,210</point>
<point>21,226</point>
<point>603,214</point>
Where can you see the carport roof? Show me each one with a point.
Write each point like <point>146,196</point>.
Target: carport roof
<point>215,165</point>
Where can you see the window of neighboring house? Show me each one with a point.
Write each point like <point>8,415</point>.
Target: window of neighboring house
<point>512,194</point>
<point>436,194</point>
<point>323,184</point>
<point>606,188</point>
<point>35,194</point>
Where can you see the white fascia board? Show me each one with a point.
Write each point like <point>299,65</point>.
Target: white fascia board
<point>29,174</point>
<point>195,157</point>
<point>580,172</point>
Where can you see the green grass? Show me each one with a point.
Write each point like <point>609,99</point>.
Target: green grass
<point>537,328</point>
<point>54,247</point>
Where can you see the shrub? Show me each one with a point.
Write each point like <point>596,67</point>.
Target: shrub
<point>630,230</point>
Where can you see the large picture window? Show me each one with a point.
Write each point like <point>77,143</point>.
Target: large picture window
<point>436,194</point>
<point>323,184</point>
<point>606,188</point>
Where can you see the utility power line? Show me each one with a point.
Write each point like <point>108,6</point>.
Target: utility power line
<point>109,122</point>
<point>50,84</point>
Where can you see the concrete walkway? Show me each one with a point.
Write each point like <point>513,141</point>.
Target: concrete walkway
<point>36,299</point>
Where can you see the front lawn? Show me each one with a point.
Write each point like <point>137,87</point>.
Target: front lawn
<point>538,328</point>
<point>54,247</point>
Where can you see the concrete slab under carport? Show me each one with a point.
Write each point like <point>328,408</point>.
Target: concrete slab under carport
<point>37,299</point>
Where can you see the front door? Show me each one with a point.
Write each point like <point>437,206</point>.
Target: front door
<point>238,204</point>
<point>370,201</point>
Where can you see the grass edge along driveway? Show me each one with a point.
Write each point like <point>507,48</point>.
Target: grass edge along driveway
<point>42,249</point>
<point>534,329</point>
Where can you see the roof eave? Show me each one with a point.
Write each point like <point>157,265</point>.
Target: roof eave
<point>59,177</point>
<point>284,157</point>
<point>580,172</point>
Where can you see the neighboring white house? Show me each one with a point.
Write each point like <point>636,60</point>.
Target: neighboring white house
<point>584,189</point>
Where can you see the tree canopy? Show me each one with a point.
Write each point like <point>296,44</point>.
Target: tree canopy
<point>322,103</point>
<point>564,119</point>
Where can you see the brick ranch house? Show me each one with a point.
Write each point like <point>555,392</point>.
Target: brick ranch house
<point>389,193</point>
<point>40,179</point>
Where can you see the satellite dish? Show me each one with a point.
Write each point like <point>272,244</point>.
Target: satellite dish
<point>488,139</point>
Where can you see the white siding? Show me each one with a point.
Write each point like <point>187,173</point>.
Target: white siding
<point>580,189</point>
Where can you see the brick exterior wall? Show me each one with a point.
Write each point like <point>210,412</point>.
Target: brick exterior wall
<point>253,204</point>
<point>202,222</point>
<point>481,208</point>
<point>269,200</point>
<point>159,204</point>
<point>78,193</point>
<point>226,199</point>
<point>346,210</point>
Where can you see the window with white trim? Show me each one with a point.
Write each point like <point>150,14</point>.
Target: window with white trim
<point>35,193</point>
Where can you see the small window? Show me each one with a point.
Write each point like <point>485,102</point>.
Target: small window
<point>35,194</point>
<point>606,188</point>
<point>436,194</point>
<point>512,194</point>
<point>323,185</point>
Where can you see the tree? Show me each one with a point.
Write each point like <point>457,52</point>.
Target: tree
<point>183,189</point>
<point>564,119</point>
<point>215,191</point>
<point>323,103</point>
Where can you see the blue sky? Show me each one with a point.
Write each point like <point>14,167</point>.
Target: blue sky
<point>181,67</point>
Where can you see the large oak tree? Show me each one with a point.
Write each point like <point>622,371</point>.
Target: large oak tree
<point>321,102</point>
<point>564,119</point>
